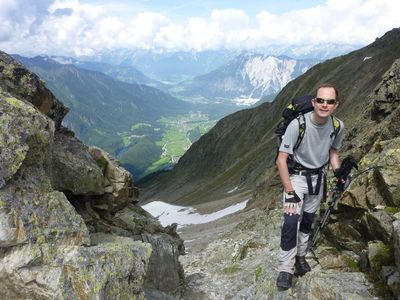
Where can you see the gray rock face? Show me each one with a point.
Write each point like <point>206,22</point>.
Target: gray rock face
<point>39,213</point>
<point>162,261</point>
<point>118,186</point>
<point>74,171</point>
<point>109,270</point>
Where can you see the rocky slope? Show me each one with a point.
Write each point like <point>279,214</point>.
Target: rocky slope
<point>69,226</point>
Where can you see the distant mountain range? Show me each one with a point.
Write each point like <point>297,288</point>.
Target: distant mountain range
<point>245,79</point>
<point>174,67</point>
<point>167,67</point>
<point>127,74</point>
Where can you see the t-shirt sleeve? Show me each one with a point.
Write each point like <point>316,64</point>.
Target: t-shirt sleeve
<point>338,142</point>
<point>289,139</point>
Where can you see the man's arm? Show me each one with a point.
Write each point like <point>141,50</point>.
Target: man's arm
<point>334,158</point>
<point>291,199</point>
<point>281,163</point>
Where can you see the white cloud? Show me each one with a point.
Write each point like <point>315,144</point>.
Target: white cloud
<point>73,27</point>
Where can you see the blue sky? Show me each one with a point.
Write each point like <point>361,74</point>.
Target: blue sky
<point>202,8</point>
<point>84,27</point>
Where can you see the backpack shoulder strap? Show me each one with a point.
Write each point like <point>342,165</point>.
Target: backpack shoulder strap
<point>336,126</point>
<point>302,129</point>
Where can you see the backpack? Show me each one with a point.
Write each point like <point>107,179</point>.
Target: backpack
<point>296,109</point>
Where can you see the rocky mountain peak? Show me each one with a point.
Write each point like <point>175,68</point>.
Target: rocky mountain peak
<point>388,38</point>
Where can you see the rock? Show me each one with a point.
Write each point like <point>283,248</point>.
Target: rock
<point>333,285</point>
<point>379,255</point>
<point>387,93</point>
<point>396,242</point>
<point>387,177</point>
<point>377,226</point>
<point>165,272</point>
<point>345,236</point>
<point>108,270</point>
<point>331,258</point>
<point>39,213</point>
<point>11,229</point>
<point>22,129</point>
<point>118,182</point>
<point>137,220</point>
<point>393,283</point>
<point>23,84</point>
<point>74,171</point>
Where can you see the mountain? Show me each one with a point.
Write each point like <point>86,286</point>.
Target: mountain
<point>239,150</point>
<point>164,66</point>
<point>174,67</point>
<point>127,74</point>
<point>122,118</point>
<point>245,79</point>
<point>311,51</point>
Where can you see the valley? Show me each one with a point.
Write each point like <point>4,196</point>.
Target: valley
<point>173,135</point>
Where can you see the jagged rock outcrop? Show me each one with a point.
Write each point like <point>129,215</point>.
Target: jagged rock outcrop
<point>18,81</point>
<point>118,183</point>
<point>69,226</point>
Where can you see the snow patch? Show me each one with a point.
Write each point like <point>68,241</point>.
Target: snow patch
<point>185,215</point>
<point>245,101</point>
<point>232,190</point>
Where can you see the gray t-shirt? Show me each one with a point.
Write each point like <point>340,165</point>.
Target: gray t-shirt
<point>313,151</point>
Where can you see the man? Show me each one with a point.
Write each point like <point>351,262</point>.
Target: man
<point>303,180</point>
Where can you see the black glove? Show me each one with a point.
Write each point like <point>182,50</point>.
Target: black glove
<point>345,168</point>
<point>291,200</point>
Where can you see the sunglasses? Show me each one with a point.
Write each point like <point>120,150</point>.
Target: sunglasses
<point>328,101</point>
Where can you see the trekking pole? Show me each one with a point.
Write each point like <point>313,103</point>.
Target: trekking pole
<point>336,194</point>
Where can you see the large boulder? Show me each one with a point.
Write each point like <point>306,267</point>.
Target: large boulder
<point>114,269</point>
<point>118,186</point>
<point>33,210</point>
<point>74,171</point>
<point>164,272</point>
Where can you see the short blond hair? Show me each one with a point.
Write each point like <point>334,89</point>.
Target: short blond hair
<point>328,85</point>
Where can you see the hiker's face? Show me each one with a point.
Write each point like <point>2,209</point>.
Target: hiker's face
<point>324,110</point>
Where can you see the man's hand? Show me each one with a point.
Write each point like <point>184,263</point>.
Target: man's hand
<point>292,201</point>
<point>345,168</point>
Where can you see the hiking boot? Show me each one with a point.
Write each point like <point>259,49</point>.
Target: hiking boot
<point>301,265</point>
<point>284,281</point>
